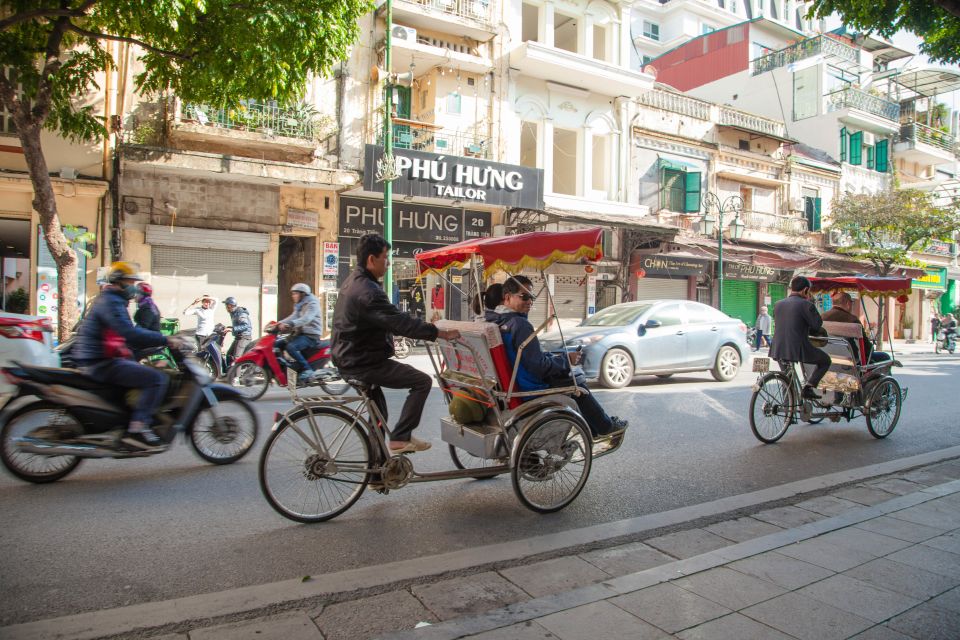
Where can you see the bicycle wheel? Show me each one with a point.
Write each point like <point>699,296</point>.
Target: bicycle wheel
<point>315,465</point>
<point>224,433</point>
<point>33,420</point>
<point>771,407</point>
<point>250,379</point>
<point>335,385</point>
<point>883,407</point>
<point>464,460</point>
<point>553,462</point>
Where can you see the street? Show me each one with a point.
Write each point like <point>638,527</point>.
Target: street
<point>121,532</point>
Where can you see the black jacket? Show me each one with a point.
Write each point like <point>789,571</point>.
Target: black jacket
<point>795,318</point>
<point>147,315</point>
<point>364,323</point>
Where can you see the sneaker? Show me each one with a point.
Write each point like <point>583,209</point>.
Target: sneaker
<point>414,445</point>
<point>144,439</point>
<point>618,424</point>
<point>810,393</point>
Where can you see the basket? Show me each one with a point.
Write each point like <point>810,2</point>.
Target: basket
<point>169,326</point>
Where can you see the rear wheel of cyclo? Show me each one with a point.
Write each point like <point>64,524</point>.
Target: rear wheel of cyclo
<point>771,407</point>
<point>553,462</point>
<point>883,407</point>
<point>465,460</point>
<point>309,483</point>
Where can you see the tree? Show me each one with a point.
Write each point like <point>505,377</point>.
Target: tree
<point>936,22</point>
<point>210,51</point>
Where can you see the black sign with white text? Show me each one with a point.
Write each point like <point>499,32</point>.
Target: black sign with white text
<point>413,222</point>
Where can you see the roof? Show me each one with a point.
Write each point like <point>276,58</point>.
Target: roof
<point>928,81</point>
<point>813,153</point>
<point>883,50</point>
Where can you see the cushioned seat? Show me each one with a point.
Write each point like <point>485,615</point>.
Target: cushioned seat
<point>51,375</point>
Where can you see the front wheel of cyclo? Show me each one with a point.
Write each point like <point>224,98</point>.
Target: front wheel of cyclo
<point>553,461</point>
<point>315,464</point>
<point>771,407</point>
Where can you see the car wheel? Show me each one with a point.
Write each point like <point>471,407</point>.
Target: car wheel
<point>616,369</point>
<point>726,365</point>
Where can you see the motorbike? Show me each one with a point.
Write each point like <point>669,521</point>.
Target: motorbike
<point>401,347</point>
<point>59,417</point>
<point>262,363</point>
<point>210,352</point>
<point>946,341</point>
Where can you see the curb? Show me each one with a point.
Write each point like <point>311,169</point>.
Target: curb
<point>247,601</point>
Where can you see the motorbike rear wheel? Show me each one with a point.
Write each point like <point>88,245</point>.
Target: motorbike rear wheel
<point>250,379</point>
<point>225,433</point>
<point>34,467</point>
<point>335,386</point>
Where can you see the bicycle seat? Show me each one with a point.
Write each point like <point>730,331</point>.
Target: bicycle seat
<point>360,385</point>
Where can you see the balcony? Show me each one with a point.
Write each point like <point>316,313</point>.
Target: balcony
<point>537,60</point>
<point>426,52</point>
<point>471,18</point>
<point>839,53</point>
<point>743,120</point>
<point>925,145</point>
<point>774,223</point>
<point>862,109</point>
<point>426,136</point>
<point>675,103</point>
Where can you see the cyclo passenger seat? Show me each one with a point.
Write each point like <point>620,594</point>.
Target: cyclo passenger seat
<point>490,361</point>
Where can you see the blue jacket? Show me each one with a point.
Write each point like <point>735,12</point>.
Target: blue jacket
<point>240,318</point>
<point>109,314</point>
<point>537,369</point>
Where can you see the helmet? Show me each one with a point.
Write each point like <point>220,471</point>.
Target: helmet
<point>301,287</point>
<point>231,301</point>
<point>145,288</point>
<point>122,271</point>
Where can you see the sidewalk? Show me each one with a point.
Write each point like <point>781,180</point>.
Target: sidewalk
<point>875,558</point>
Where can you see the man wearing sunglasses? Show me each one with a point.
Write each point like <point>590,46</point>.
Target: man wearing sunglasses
<point>539,370</point>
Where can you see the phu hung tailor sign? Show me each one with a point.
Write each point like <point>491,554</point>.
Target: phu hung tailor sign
<point>431,175</point>
<point>413,222</point>
<point>744,271</point>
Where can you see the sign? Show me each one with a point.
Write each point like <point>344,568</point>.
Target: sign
<point>47,280</point>
<point>331,253</point>
<point>413,222</point>
<point>754,272</point>
<point>303,218</point>
<point>940,248</point>
<point>330,303</point>
<point>591,295</point>
<point>662,264</point>
<point>431,175</point>
<point>935,278</point>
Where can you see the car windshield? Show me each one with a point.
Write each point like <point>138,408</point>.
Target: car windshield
<point>616,316</point>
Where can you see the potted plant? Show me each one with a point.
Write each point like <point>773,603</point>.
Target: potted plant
<point>908,329</point>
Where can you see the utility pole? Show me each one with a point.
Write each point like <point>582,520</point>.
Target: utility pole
<point>388,156</point>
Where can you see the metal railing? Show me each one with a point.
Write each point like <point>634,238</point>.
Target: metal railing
<point>737,118</point>
<point>775,223</point>
<point>806,49</point>
<point>917,132</point>
<point>676,103</point>
<point>858,99</point>
<point>479,10</point>
<point>423,136</point>
<point>269,119</point>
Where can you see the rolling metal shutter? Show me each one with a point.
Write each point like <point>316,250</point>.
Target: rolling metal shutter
<point>538,312</point>
<point>776,292</point>
<point>570,297</point>
<point>181,274</point>
<point>740,300</point>
<point>661,289</point>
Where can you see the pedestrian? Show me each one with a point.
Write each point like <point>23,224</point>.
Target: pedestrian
<point>203,307</point>
<point>762,327</point>
<point>934,327</point>
<point>241,327</point>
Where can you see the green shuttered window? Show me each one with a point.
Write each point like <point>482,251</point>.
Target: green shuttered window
<point>883,156</point>
<point>843,144</point>
<point>856,148</point>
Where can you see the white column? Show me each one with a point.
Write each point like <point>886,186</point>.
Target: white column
<point>548,23</point>
<point>615,170</point>
<point>546,154</point>
<point>626,46</point>
<point>587,35</point>
<point>586,164</point>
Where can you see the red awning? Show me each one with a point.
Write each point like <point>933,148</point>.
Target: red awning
<point>871,287</point>
<point>535,250</point>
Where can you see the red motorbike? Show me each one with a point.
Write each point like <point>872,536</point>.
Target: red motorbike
<point>262,363</point>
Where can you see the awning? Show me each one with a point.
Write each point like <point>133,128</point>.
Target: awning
<point>842,265</point>
<point>608,220</point>
<point>676,165</point>
<point>751,178</point>
<point>782,259</point>
<point>929,81</point>
<point>758,133</point>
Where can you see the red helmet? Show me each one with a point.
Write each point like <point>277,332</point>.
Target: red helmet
<point>145,288</point>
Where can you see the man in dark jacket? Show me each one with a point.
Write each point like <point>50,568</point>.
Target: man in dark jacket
<point>364,323</point>
<point>242,328</point>
<point>796,318</point>
<point>539,370</point>
<point>101,351</point>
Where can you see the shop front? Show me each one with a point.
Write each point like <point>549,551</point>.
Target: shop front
<point>929,291</point>
<point>666,276</point>
<point>745,287</point>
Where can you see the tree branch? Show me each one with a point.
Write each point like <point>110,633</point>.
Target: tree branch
<point>17,18</point>
<point>139,43</point>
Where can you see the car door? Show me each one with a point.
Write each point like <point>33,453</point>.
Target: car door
<point>704,329</point>
<point>663,346</point>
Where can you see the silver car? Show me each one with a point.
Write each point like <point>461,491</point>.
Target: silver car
<point>656,337</point>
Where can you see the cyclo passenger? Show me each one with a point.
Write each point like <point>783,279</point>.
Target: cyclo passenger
<point>102,353</point>
<point>842,312</point>
<point>796,319</point>
<point>364,323</point>
<point>538,370</point>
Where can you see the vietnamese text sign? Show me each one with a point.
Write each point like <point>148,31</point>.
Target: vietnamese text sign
<point>331,251</point>
<point>666,265</point>
<point>743,271</point>
<point>412,222</point>
<point>303,218</point>
<point>934,278</point>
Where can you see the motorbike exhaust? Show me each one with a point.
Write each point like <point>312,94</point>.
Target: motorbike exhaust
<point>47,448</point>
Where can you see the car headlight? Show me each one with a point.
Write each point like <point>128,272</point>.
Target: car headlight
<point>586,340</point>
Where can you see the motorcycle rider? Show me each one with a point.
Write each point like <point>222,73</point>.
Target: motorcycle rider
<point>242,328</point>
<point>147,314</point>
<point>948,326</point>
<point>307,323</point>
<point>102,353</point>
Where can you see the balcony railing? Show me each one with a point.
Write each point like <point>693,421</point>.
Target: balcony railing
<point>774,223</point>
<point>425,136</point>
<point>302,122</point>
<point>857,99</point>
<point>916,132</point>
<point>480,10</point>
<point>806,49</point>
<point>676,103</point>
<point>736,118</point>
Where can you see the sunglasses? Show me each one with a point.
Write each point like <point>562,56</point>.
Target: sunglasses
<point>526,297</point>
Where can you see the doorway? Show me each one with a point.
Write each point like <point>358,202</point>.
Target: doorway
<point>297,263</point>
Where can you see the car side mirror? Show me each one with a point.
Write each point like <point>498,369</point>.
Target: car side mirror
<point>653,324</point>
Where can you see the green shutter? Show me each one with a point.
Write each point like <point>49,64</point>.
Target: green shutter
<point>777,292</point>
<point>843,144</point>
<point>691,201</point>
<point>869,157</point>
<point>816,214</point>
<point>883,158</point>
<point>856,148</point>
<point>740,300</point>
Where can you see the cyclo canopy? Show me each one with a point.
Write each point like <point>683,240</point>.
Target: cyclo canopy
<point>868,286</point>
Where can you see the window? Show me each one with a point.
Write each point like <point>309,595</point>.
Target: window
<point>806,95</point>
<point>565,34</point>
<point>601,163</point>
<point>882,156</point>
<point>746,194</point>
<point>743,145</point>
<point>565,161</point>
<point>869,157</point>
<point>697,313</point>
<point>600,42</point>
<point>453,104</point>
<point>856,148</point>
<point>668,315</point>
<point>530,17</point>
<point>843,144</point>
<point>645,61</point>
<point>811,209</point>
<point>706,28</point>
<point>680,190</point>
<point>528,144</point>
<point>651,30</point>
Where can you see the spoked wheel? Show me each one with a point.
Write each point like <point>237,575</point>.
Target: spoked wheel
<point>335,386</point>
<point>224,433</point>
<point>771,408</point>
<point>464,460</point>
<point>883,407</point>
<point>37,420</point>
<point>553,461</point>
<point>250,379</point>
<point>726,365</point>
<point>315,465</point>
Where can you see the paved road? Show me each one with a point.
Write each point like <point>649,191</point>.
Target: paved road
<point>121,532</point>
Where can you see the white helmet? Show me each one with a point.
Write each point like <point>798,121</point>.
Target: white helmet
<point>301,287</point>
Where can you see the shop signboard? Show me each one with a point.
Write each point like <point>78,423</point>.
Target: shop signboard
<point>47,294</point>
<point>665,265</point>
<point>933,278</point>
<point>754,272</point>
<point>303,218</point>
<point>331,252</point>
<point>432,175</point>
<point>413,222</point>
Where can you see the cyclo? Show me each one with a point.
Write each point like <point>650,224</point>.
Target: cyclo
<point>325,451</point>
<point>855,385</point>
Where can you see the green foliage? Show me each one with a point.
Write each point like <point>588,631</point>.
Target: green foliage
<point>936,22</point>
<point>79,239</point>
<point>17,301</point>
<point>886,227</point>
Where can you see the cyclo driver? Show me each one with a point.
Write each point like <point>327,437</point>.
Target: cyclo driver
<point>796,319</point>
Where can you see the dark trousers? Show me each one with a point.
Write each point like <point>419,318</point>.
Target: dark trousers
<point>295,345</point>
<point>822,362</point>
<point>237,347</point>
<point>761,338</point>
<point>396,375</point>
<point>130,375</point>
<point>597,419</point>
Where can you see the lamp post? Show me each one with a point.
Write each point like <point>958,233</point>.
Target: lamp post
<point>733,204</point>
<point>388,154</point>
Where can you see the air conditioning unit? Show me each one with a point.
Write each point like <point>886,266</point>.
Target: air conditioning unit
<point>869,139</point>
<point>837,238</point>
<point>796,204</point>
<point>407,34</point>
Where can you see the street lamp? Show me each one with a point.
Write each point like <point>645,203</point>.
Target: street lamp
<point>733,204</point>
